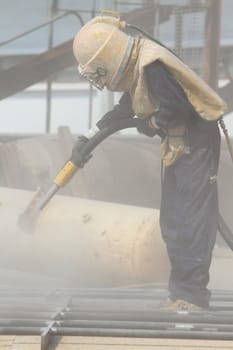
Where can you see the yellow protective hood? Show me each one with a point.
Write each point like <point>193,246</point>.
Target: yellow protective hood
<point>205,100</point>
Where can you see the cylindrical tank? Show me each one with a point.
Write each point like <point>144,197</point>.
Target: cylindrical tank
<point>90,243</point>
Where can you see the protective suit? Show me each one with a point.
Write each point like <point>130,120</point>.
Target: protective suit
<point>175,103</point>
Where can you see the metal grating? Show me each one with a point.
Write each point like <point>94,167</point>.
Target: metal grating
<point>122,312</point>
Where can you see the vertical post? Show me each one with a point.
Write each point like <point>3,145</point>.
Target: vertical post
<point>49,80</point>
<point>212,42</point>
<point>90,106</point>
<point>178,31</point>
<point>107,101</point>
<point>157,19</point>
<point>48,105</point>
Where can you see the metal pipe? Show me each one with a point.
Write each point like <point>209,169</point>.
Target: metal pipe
<point>20,331</point>
<point>180,332</point>
<point>104,293</point>
<point>23,323</point>
<point>90,109</point>
<point>49,80</point>
<point>141,333</point>
<point>153,315</point>
<point>26,314</point>
<point>51,192</point>
<point>212,42</point>
<point>142,325</point>
<point>178,31</point>
<point>228,140</point>
<point>151,323</point>
<point>157,19</point>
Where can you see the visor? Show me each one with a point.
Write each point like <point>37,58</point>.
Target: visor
<point>95,78</point>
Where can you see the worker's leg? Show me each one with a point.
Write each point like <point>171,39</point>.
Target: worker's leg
<point>189,219</point>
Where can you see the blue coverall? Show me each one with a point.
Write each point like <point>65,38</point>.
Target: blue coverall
<point>189,199</point>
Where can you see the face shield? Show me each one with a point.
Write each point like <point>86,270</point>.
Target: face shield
<point>96,78</point>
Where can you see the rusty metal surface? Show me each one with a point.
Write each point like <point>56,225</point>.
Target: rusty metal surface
<point>93,243</point>
<point>83,241</point>
<point>37,69</point>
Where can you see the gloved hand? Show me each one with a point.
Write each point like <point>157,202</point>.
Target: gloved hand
<point>77,156</point>
<point>147,127</point>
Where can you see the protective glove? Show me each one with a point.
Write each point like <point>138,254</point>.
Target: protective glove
<point>174,145</point>
<point>77,156</point>
<point>148,127</point>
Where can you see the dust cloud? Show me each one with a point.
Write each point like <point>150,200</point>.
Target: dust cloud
<point>102,229</point>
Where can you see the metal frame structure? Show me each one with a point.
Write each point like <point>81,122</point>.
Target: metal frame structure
<point>112,312</point>
<point>211,56</point>
<point>49,23</point>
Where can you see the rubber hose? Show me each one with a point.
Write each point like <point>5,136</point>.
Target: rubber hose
<point>103,133</point>
<point>225,231</point>
<point>121,124</point>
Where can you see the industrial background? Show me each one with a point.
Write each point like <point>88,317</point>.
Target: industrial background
<point>200,32</point>
<point>89,271</point>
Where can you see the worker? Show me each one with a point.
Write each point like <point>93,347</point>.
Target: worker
<point>171,100</point>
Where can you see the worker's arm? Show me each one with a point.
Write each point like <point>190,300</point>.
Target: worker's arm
<point>121,110</point>
<point>174,107</point>
<point>124,110</point>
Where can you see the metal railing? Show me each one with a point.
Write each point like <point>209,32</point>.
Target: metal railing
<point>110,312</point>
<point>55,19</point>
<point>49,82</point>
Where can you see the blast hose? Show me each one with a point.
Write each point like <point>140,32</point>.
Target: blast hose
<point>67,172</point>
<point>95,137</point>
<point>69,169</point>
<point>225,231</point>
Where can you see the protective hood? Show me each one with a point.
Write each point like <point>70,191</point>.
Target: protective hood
<point>205,100</point>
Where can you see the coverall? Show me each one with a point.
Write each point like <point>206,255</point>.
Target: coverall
<point>189,199</point>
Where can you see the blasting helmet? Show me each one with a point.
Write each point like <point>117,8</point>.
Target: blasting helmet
<point>102,51</point>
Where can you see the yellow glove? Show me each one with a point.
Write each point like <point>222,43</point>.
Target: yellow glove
<point>173,145</point>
